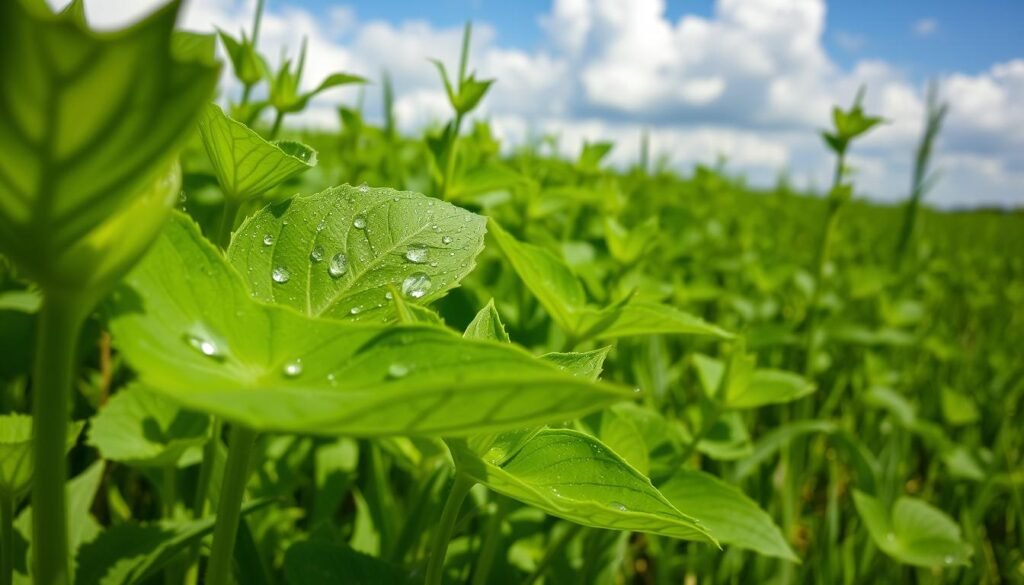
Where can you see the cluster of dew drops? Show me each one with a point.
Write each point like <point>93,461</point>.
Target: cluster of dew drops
<point>416,285</point>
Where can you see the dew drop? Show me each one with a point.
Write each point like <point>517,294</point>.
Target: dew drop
<point>320,226</point>
<point>355,310</point>
<point>363,188</point>
<point>416,285</point>
<point>338,265</point>
<point>268,240</point>
<point>417,254</point>
<point>359,222</point>
<point>948,560</point>
<point>280,274</point>
<point>446,240</point>
<point>388,295</point>
<point>332,379</point>
<point>204,346</point>
<point>618,506</point>
<point>292,369</point>
<point>316,254</point>
<point>397,371</point>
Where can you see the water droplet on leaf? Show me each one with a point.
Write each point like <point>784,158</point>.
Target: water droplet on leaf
<point>338,265</point>
<point>446,240</point>
<point>316,254</point>
<point>292,369</point>
<point>417,254</point>
<point>397,371</point>
<point>359,222</point>
<point>416,285</point>
<point>280,274</point>
<point>268,240</point>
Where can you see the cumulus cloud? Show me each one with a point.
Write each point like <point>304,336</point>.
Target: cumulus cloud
<point>752,81</point>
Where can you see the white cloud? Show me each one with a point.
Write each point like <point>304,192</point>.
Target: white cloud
<point>752,81</point>
<point>925,27</point>
<point>850,42</point>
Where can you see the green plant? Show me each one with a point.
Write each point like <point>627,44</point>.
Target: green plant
<point>575,374</point>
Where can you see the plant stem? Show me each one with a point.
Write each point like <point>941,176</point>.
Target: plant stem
<point>236,474</point>
<point>277,124</point>
<point>227,221</point>
<point>60,321</point>
<point>450,154</point>
<point>443,534</point>
<point>492,539</point>
<point>6,540</point>
<point>824,252</point>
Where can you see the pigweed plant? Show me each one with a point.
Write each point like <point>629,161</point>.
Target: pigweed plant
<point>546,371</point>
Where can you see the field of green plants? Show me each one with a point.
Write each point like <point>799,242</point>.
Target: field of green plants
<point>233,352</point>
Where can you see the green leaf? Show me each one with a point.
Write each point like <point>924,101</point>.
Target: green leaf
<point>471,91</point>
<point>246,165</point>
<point>16,465</point>
<point>727,513</point>
<point>144,428</point>
<point>644,318</point>
<point>314,563</point>
<point>585,364</point>
<point>22,301</point>
<point>914,532</point>
<point>342,249</point>
<point>487,325</point>
<point>247,64</point>
<point>88,121</point>
<point>767,386</point>
<point>332,80</point>
<point>131,553</point>
<point>185,321</point>
<point>547,277</point>
<point>81,492</point>
<point>574,476</point>
<point>620,432</point>
<point>958,409</point>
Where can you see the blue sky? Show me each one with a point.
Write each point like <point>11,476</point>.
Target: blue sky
<point>754,80</point>
<point>969,35</point>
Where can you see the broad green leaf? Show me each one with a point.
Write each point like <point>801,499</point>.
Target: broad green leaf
<point>332,80</point>
<point>574,476</point>
<point>487,325</point>
<point>185,321</point>
<point>337,253</point>
<point>247,165</point>
<point>88,121</point>
<point>82,527</point>
<point>727,513</point>
<point>585,364</point>
<point>314,563</point>
<point>958,409</point>
<point>16,465</point>
<point>126,554</point>
<point>471,91</point>
<point>644,318</point>
<point>145,428</point>
<point>547,277</point>
<point>914,532</point>
<point>768,386</point>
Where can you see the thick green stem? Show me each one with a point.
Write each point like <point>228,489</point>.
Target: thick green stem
<point>60,320</point>
<point>6,540</point>
<point>450,155</point>
<point>443,533</point>
<point>228,214</point>
<point>236,474</point>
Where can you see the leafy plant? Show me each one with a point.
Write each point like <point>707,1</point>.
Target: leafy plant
<point>540,370</point>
